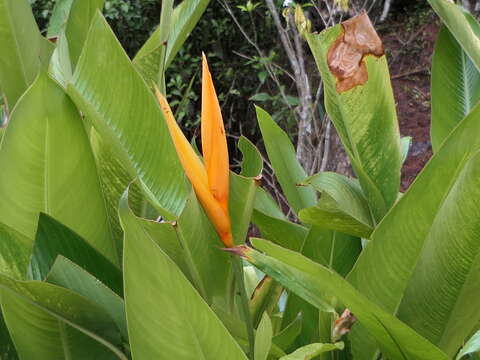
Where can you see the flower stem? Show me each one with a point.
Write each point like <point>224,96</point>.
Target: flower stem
<point>243,303</point>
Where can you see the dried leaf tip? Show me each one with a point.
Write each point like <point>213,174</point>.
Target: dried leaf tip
<point>346,56</point>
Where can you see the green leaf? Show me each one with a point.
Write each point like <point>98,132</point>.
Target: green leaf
<point>450,256</point>
<point>143,146</point>
<point>342,205</point>
<point>472,346</point>
<point>8,351</point>
<point>23,49</point>
<point>167,318</point>
<point>311,351</point>
<point>69,275</point>
<point>243,192</point>
<point>263,338</point>
<point>15,250</point>
<point>252,162</point>
<point>80,17</point>
<point>366,121</point>
<point>48,166</point>
<point>54,239</point>
<point>60,66</point>
<point>264,298</point>
<point>286,338</point>
<point>391,265</point>
<point>265,204</point>
<point>462,26</point>
<point>316,284</point>
<point>184,18</point>
<point>59,17</point>
<point>455,86</point>
<point>405,143</point>
<point>287,169</point>
<point>49,322</point>
<point>281,232</point>
<point>260,97</point>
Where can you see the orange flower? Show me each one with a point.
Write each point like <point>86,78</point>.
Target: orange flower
<point>210,179</point>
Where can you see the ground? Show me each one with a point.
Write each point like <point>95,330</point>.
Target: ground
<point>409,40</point>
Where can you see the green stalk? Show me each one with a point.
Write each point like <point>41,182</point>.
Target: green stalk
<point>243,303</point>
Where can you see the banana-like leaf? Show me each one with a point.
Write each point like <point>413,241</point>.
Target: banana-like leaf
<point>252,162</point>
<point>48,166</point>
<point>393,260</point>
<point>60,65</point>
<point>264,298</point>
<point>455,86</point>
<point>8,351</point>
<point>265,204</point>
<point>286,338</point>
<point>15,251</point>
<point>472,346</point>
<point>80,18</point>
<point>317,284</point>
<point>442,310</point>
<point>287,169</point>
<point>59,17</point>
<point>54,239</point>
<point>167,318</point>
<point>69,275</point>
<point>184,18</point>
<point>359,100</point>
<point>263,338</point>
<point>49,322</point>
<point>281,232</point>
<point>462,26</point>
<point>311,351</point>
<point>342,205</point>
<point>405,143</point>
<point>24,50</point>
<point>129,118</point>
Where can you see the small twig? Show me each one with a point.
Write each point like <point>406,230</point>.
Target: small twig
<point>408,73</point>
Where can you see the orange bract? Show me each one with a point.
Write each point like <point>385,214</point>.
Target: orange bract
<point>210,181</point>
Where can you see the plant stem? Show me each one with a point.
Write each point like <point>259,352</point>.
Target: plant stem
<point>243,304</point>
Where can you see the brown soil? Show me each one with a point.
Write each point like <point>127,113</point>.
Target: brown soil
<point>409,45</point>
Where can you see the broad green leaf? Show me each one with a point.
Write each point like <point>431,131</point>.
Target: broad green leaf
<point>442,309</point>
<point>264,298</point>
<point>80,18</point>
<point>365,118</point>
<point>49,322</point>
<point>60,66</point>
<point>15,250</point>
<point>281,232</point>
<point>287,169</point>
<point>263,338</point>
<point>53,239</point>
<point>69,275</point>
<point>48,166</point>
<point>243,192</point>
<point>317,284</point>
<point>23,49</point>
<point>167,318</point>
<point>7,350</point>
<point>462,26</point>
<point>455,86</point>
<point>184,18</point>
<point>264,203</point>
<point>129,118</point>
<point>311,351</point>
<point>472,346</point>
<point>342,205</point>
<point>389,262</point>
<point>59,17</point>
<point>286,338</point>
<point>252,162</point>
